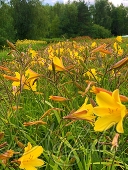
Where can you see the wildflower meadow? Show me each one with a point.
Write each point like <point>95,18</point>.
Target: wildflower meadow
<point>64,104</point>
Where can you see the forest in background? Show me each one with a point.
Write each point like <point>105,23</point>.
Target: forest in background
<point>29,19</point>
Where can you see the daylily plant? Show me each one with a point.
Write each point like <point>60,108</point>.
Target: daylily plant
<point>110,111</point>
<point>29,160</point>
<point>57,63</point>
<point>27,81</point>
<point>85,112</point>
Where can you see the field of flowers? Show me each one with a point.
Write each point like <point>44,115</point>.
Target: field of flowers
<point>64,105</point>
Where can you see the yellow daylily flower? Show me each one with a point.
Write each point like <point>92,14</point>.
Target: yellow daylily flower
<point>94,44</point>
<point>29,160</point>
<point>118,49</point>
<point>119,39</point>
<point>58,64</point>
<point>27,81</point>
<point>32,52</point>
<point>85,112</point>
<point>110,111</point>
<point>92,74</point>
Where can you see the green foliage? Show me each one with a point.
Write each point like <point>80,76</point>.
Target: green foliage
<point>69,20</point>
<point>103,13</point>
<point>55,27</point>
<point>30,44</point>
<point>29,19</point>
<point>83,18</point>
<point>6,25</point>
<point>98,31</point>
<point>4,55</point>
<point>120,21</point>
<point>74,146</point>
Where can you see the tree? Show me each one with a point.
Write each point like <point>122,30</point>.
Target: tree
<point>68,20</point>
<point>29,18</point>
<point>98,31</point>
<point>103,13</point>
<point>6,25</point>
<point>120,21</point>
<point>83,18</point>
<point>55,27</point>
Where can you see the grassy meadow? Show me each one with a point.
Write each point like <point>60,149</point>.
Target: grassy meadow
<point>64,104</point>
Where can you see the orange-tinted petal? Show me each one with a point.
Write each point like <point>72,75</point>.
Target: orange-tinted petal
<point>58,98</point>
<point>11,78</point>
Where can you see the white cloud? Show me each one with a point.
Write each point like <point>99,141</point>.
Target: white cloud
<point>115,2</point>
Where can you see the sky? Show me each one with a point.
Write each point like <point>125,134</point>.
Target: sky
<point>115,2</point>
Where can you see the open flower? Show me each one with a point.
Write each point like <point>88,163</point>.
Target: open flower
<point>29,160</point>
<point>92,74</point>
<point>110,111</point>
<point>57,64</point>
<point>85,112</point>
<point>27,81</point>
<point>118,49</point>
<point>32,52</point>
<point>93,45</point>
<point>119,38</point>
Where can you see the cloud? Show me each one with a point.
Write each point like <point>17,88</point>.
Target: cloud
<point>115,2</point>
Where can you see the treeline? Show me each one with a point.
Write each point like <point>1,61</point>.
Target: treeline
<point>30,19</point>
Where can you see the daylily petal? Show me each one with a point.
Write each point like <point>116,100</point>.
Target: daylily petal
<point>32,154</point>
<point>85,112</point>
<point>58,62</point>
<point>104,123</point>
<point>36,162</point>
<point>123,111</point>
<point>16,83</point>
<point>102,111</point>
<point>30,85</point>
<point>105,100</point>
<point>119,127</point>
<point>31,74</point>
<point>82,115</point>
<point>85,106</point>
<point>115,95</point>
<point>58,68</point>
<point>17,75</point>
<point>27,167</point>
<point>26,149</point>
